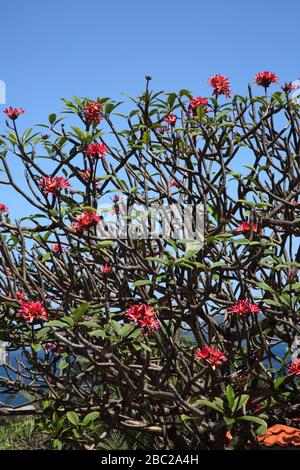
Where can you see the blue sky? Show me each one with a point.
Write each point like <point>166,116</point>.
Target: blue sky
<point>57,48</point>
<point>91,48</point>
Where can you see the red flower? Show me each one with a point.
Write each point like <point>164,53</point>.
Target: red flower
<point>3,209</point>
<point>220,84</point>
<point>116,198</point>
<point>85,220</point>
<point>170,119</point>
<point>95,150</point>
<point>92,112</point>
<point>32,310</point>
<point>53,186</point>
<point>243,307</point>
<point>52,347</point>
<point>144,316</point>
<point>174,183</point>
<point>196,102</point>
<point>57,248</point>
<point>13,113</point>
<point>245,227</point>
<point>214,357</point>
<point>86,176</point>
<point>294,367</point>
<point>106,268</point>
<point>21,296</point>
<point>265,79</point>
<point>288,87</point>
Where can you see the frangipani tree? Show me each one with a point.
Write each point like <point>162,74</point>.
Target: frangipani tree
<point>171,346</point>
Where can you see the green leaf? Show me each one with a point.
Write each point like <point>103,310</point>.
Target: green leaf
<point>46,256</point>
<point>200,111</point>
<point>52,118</point>
<point>230,396</point>
<point>186,93</point>
<point>57,323</point>
<point>90,323</point>
<point>104,244</point>
<point>98,333</point>
<point>68,320</point>
<point>229,421</point>
<point>171,98</point>
<point>145,347</point>
<point>239,402</point>
<point>80,311</point>
<point>192,250</point>
<point>127,329</point>
<point>263,425</point>
<point>158,260</point>
<point>63,365</point>
<point>280,381</point>
<point>57,444</point>
<point>90,417</point>
<point>212,405</point>
<point>73,418</point>
<point>266,287</point>
<point>142,282</point>
<point>43,332</point>
<point>146,137</point>
<point>116,327</point>
<point>36,347</point>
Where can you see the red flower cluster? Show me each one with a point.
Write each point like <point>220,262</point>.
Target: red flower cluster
<point>170,119</point>
<point>144,316</point>
<point>288,87</point>
<point>13,113</point>
<point>245,227</point>
<point>85,220</point>
<point>86,175</point>
<point>294,367</point>
<point>57,248</point>
<point>3,209</point>
<point>212,356</point>
<point>95,150</point>
<point>220,85</point>
<point>174,184</point>
<point>32,310</point>
<point>20,296</point>
<point>92,112</point>
<point>53,185</point>
<point>196,102</point>
<point>106,268</point>
<point>243,307</point>
<point>265,79</point>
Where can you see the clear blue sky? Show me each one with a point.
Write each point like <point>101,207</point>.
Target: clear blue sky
<point>60,48</point>
<point>57,48</point>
